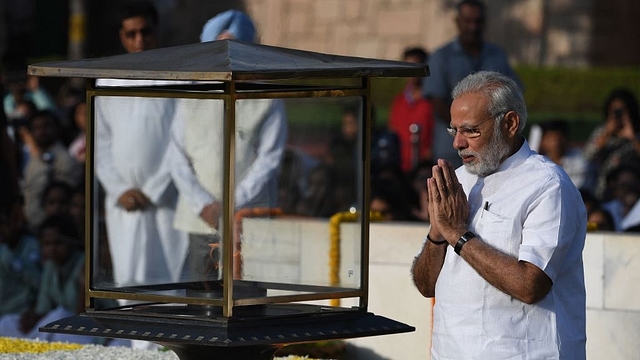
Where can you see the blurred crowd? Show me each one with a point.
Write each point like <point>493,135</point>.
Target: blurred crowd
<point>42,203</point>
<point>605,167</point>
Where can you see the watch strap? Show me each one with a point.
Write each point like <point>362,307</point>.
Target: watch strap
<point>463,240</point>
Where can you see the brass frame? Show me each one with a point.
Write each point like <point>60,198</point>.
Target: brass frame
<point>229,95</point>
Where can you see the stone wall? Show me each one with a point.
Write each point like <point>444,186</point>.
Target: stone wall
<point>611,262</point>
<point>532,31</point>
<point>535,32</point>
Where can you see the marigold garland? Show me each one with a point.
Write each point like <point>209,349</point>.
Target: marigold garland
<point>12,345</point>
<point>334,238</point>
<point>334,244</point>
<point>16,346</point>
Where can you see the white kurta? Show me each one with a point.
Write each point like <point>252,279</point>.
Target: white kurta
<point>132,135</point>
<point>197,148</point>
<point>528,209</point>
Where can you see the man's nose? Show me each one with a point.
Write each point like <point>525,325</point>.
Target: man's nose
<point>460,142</point>
<point>139,39</point>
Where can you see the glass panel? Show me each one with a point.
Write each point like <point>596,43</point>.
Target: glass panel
<point>292,245</point>
<point>147,152</point>
<point>160,181</point>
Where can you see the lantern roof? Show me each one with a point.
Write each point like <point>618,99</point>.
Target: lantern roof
<point>226,60</point>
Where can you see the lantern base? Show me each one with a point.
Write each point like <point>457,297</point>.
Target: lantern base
<point>256,332</point>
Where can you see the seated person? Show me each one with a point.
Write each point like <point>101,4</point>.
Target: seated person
<point>59,293</point>
<point>19,265</point>
<point>556,145</point>
<point>418,178</point>
<point>602,219</point>
<point>319,199</point>
<point>624,191</point>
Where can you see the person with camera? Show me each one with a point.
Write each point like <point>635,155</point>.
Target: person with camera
<point>48,161</point>
<point>616,141</point>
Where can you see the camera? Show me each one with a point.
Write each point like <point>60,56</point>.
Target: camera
<point>617,113</point>
<point>18,122</point>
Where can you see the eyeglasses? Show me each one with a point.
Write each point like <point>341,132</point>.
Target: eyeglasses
<point>471,132</point>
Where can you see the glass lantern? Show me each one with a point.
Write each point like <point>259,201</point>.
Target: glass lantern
<point>218,175</point>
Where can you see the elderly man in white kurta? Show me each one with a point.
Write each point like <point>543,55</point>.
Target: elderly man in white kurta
<point>197,165</point>
<point>197,148</point>
<point>132,136</point>
<point>503,256</point>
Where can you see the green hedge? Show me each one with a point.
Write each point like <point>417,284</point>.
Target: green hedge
<point>578,91</point>
<point>576,95</point>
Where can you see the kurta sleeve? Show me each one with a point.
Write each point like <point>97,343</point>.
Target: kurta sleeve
<point>553,218</point>
<point>181,169</point>
<point>273,137</point>
<point>104,160</point>
<point>159,182</point>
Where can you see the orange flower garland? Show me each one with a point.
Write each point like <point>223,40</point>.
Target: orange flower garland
<point>334,244</point>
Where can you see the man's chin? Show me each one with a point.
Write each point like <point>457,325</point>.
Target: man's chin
<point>480,171</point>
<point>471,168</point>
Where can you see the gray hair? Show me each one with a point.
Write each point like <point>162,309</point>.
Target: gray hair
<point>503,93</point>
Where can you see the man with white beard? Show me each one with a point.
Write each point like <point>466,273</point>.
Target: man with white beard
<point>512,283</point>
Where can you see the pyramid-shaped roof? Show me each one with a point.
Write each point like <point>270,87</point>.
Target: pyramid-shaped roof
<point>227,60</point>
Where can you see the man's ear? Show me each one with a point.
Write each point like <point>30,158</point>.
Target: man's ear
<point>511,123</point>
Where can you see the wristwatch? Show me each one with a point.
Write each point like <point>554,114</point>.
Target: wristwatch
<point>463,240</point>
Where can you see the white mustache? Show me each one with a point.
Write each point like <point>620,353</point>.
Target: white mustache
<point>463,153</point>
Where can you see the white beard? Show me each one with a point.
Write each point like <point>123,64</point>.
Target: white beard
<point>487,161</point>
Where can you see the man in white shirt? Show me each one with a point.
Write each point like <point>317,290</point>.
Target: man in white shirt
<point>469,52</point>
<point>132,136</point>
<point>197,165</point>
<point>512,283</point>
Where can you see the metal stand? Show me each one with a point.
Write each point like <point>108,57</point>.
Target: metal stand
<point>196,352</point>
<point>256,333</point>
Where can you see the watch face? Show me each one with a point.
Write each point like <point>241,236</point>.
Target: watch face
<point>463,240</point>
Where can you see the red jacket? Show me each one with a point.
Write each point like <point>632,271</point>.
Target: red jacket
<point>404,112</point>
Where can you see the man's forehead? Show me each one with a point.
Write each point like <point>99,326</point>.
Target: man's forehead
<point>136,22</point>
<point>468,107</point>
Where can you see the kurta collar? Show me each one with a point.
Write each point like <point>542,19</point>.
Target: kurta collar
<point>516,159</point>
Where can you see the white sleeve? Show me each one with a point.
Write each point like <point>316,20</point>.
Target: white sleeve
<point>104,162</point>
<point>181,169</point>
<point>273,137</point>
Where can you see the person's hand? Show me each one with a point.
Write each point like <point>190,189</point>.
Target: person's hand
<point>29,141</point>
<point>611,126</point>
<point>448,207</point>
<point>134,199</point>
<point>211,214</point>
<point>627,132</point>
<point>32,83</point>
